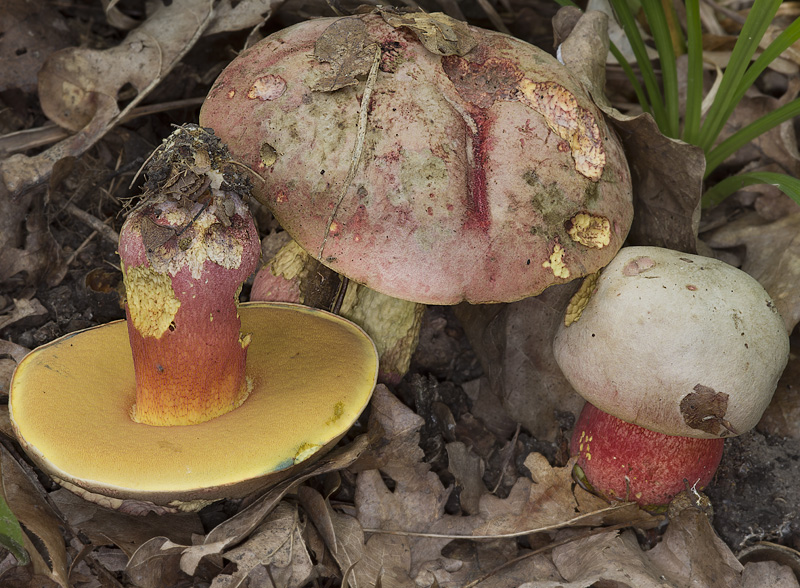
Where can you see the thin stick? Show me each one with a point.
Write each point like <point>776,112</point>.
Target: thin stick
<point>507,458</point>
<point>555,527</point>
<point>340,294</point>
<point>93,222</point>
<point>731,14</point>
<point>494,18</point>
<point>80,248</point>
<point>51,133</point>
<point>547,547</point>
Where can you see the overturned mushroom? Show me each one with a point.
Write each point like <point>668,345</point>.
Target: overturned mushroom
<point>196,398</point>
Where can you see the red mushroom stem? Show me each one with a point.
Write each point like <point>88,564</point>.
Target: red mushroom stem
<point>623,461</point>
<point>185,253</point>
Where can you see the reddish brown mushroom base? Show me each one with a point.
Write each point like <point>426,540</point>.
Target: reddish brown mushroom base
<point>188,318</point>
<point>623,461</point>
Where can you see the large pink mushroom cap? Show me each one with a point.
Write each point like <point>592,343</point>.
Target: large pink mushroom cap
<point>485,173</point>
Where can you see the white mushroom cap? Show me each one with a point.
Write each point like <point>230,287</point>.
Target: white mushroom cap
<point>676,343</point>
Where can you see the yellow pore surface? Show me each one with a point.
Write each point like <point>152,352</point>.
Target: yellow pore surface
<point>313,373</point>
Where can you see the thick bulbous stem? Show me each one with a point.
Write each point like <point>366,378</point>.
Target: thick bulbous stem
<point>623,461</point>
<point>184,261</point>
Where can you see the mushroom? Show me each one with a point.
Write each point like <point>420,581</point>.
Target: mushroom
<point>426,159</point>
<point>677,345</point>
<point>292,275</point>
<point>195,397</point>
<point>623,461</point>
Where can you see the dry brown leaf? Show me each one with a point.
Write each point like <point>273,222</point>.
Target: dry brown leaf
<point>773,151</point>
<point>415,504</point>
<point>14,351</point>
<point>789,60</point>
<point>23,309</point>
<point>394,433</point>
<point>6,427</point>
<point>30,32</point>
<point>346,46</point>
<point>485,564</point>
<point>617,34</point>
<point>782,417</point>
<point>412,512</point>
<point>614,558</point>
<point>514,345</point>
<point>72,79</point>
<point>384,559</point>
<point>438,33</point>
<point>27,502</point>
<point>666,204</point>
<point>235,529</point>
<point>237,15</point>
<point>105,527</point>
<point>154,554</point>
<point>318,511</point>
<point>10,355</point>
<point>277,544</point>
<point>467,469</point>
<point>768,573</point>
<point>26,243</point>
<point>772,257</point>
<point>78,87</point>
<point>585,47</point>
<point>691,553</point>
<point>541,501</point>
<point>156,564</point>
<point>116,18</point>
<point>549,500</point>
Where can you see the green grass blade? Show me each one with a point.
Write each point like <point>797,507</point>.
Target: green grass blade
<point>753,30</point>
<point>631,75</point>
<point>786,184</point>
<point>743,136</point>
<point>659,27</point>
<point>11,533</point>
<point>628,23</point>
<point>780,44</point>
<point>694,78</point>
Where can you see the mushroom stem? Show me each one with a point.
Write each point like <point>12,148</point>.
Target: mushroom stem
<point>393,324</point>
<point>185,253</point>
<point>623,461</point>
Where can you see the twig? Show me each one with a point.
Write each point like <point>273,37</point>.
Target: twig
<point>555,527</point>
<point>93,222</point>
<point>547,547</point>
<point>507,458</point>
<point>731,14</point>
<point>51,133</point>
<point>494,18</point>
<point>340,294</point>
<point>80,248</point>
